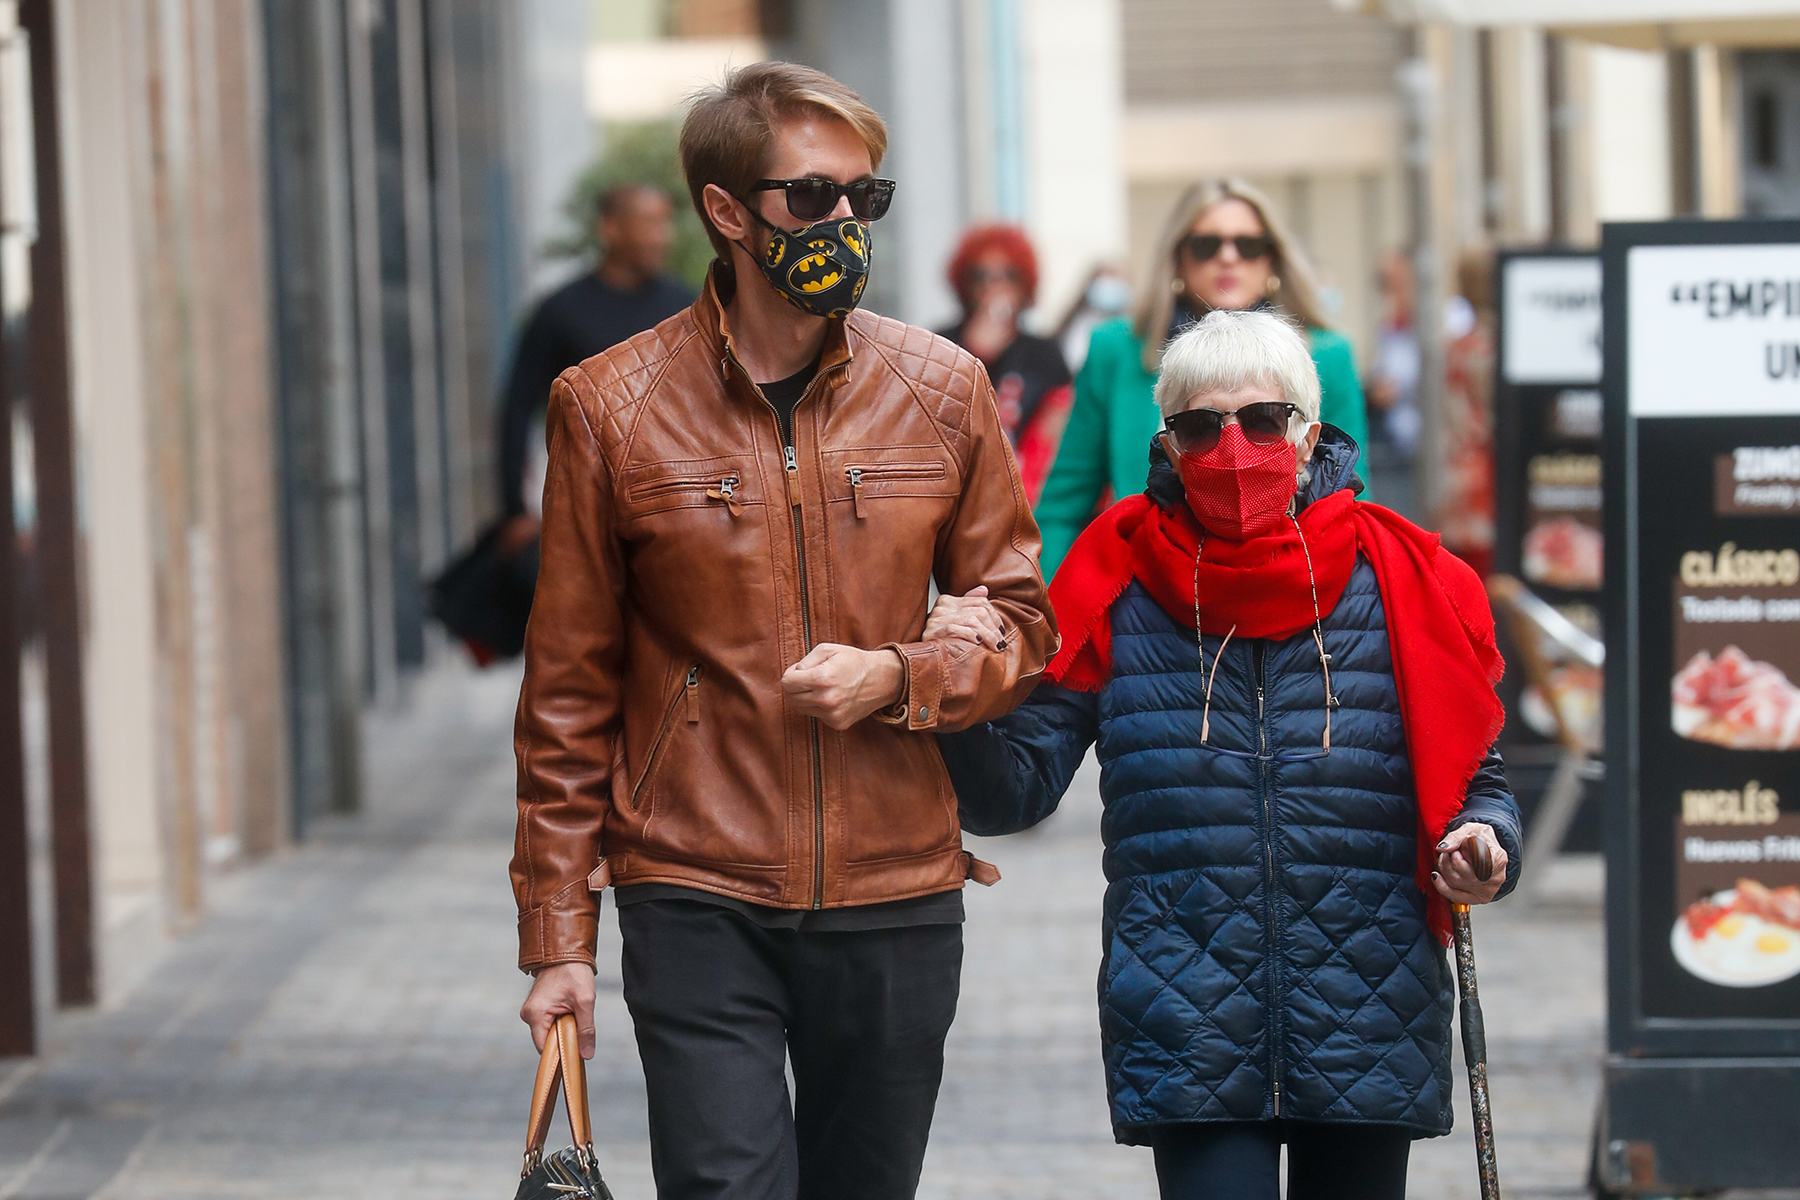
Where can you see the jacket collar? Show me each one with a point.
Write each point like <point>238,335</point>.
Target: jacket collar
<point>715,324</point>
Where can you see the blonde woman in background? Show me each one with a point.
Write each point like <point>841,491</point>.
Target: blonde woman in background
<point>1222,248</point>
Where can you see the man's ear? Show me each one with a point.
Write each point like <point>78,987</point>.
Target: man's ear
<point>730,218</point>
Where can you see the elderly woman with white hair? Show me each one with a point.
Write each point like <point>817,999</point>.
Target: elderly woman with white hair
<point>1292,696</point>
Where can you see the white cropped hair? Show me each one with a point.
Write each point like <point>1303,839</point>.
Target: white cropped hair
<point>1229,351</point>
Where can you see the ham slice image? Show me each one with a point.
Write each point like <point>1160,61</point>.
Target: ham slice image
<point>1734,700</point>
<point>1564,553</point>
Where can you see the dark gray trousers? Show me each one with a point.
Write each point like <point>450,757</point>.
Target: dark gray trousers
<point>720,1004</point>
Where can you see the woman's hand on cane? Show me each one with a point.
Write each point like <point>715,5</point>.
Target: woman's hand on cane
<point>1471,865</point>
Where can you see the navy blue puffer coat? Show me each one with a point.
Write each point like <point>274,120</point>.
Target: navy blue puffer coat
<point>1266,952</point>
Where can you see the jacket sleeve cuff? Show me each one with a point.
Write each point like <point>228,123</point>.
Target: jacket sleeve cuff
<point>917,708</point>
<point>563,929</point>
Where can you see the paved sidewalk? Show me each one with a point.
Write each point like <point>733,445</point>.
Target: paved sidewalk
<point>345,1026</point>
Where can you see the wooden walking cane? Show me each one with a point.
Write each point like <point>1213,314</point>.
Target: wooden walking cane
<point>1474,1037</point>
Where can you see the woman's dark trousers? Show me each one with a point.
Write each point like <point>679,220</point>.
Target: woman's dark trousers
<point>720,1003</point>
<point>1241,1160</point>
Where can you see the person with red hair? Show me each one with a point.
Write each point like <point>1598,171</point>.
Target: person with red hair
<point>995,275</point>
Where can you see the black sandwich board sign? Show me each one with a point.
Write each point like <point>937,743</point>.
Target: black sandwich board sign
<point>1702,616</point>
<point>1547,414</point>
<point>1548,472</point>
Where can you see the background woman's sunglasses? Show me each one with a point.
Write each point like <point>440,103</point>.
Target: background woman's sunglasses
<point>1205,246</point>
<point>813,199</point>
<point>1198,429</point>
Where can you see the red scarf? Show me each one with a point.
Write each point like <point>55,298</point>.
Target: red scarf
<point>1440,629</point>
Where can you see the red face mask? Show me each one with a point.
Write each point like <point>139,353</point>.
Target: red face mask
<point>1238,489</point>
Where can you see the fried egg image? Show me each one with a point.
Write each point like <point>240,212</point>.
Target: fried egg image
<point>1740,949</point>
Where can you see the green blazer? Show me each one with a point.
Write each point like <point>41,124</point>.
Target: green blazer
<point>1107,440</point>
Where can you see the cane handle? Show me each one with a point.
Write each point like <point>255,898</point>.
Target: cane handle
<point>1481,857</point>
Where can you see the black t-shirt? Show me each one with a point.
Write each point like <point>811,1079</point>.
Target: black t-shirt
<point>941,908</point>
<point>577,321</point>
<point>784,396</point>
<point>1023,375</point>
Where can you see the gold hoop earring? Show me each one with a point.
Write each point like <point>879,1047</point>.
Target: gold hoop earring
<point>1272,286</point>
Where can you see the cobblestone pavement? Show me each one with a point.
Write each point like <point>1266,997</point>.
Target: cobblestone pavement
<point>344,1025</point>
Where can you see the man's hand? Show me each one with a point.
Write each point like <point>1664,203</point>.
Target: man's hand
<point>840,685</point>
<point>562,988</point>
<point>1456,878</point>
<point>972,617</point>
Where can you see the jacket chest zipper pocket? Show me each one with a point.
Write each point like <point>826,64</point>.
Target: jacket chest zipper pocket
<point>724,489</point>
<point>687,698</point>
<point>886,472</point>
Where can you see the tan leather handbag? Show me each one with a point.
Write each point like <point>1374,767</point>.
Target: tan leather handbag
<point>571,1174</point>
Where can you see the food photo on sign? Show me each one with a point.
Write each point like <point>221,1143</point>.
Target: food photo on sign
<point>1737,651</point>
<point>1563,547</point>
<point>1740,855</point>
<point>1737,646</point>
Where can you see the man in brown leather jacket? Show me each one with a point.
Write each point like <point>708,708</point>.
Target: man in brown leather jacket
<point>728,712</point>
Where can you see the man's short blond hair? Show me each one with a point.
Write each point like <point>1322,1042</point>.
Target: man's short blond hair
<point>1229,351</point>
<point>726,137</point>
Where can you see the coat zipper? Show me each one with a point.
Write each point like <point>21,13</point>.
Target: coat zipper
<point>792,460</point>
<point>716,487</point>
<point>791,464</point>
<point>726,490</point>
<point>690,690</point>
<point>858,475</point>
<point>1262,771</point>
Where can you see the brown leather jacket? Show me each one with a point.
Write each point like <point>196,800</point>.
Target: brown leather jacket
<point>688,560</point>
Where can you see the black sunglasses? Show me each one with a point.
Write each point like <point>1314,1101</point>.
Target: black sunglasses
<point>1198,430</point>
<point>1250,246</point>
<point>812,199</point>
<point>976,276</point>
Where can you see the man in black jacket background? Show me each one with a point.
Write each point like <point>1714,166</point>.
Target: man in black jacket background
<point>627,293</point>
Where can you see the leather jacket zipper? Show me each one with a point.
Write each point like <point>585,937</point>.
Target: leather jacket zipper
<point>726,490</point>
<point>792,460</point>
<point>690,690</point>
<point>722,488</point>
<point>1270,897</point>
<point>791,464</point>
<point>878,471</point>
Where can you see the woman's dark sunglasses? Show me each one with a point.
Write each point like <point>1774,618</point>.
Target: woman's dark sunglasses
<point>812,199</point>
<point>1206,246</point>
<point>1198,429</point>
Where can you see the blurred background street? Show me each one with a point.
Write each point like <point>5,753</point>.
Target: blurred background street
<point>283,284</point>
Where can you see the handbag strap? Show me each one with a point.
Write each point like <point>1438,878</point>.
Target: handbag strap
<point>561,1060</point>
<point>575,1095</point>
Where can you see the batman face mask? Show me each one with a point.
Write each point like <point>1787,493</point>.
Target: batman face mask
<point>821,268</point>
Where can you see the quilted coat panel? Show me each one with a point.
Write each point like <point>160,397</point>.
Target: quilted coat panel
<point>1264,926</point>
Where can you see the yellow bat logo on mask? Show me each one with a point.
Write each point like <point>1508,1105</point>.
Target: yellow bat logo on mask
<point>776,252</point>
<point>856,238</point>
<point>815,273</point>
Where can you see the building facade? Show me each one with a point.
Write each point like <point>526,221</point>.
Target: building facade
<point>261,264</point>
